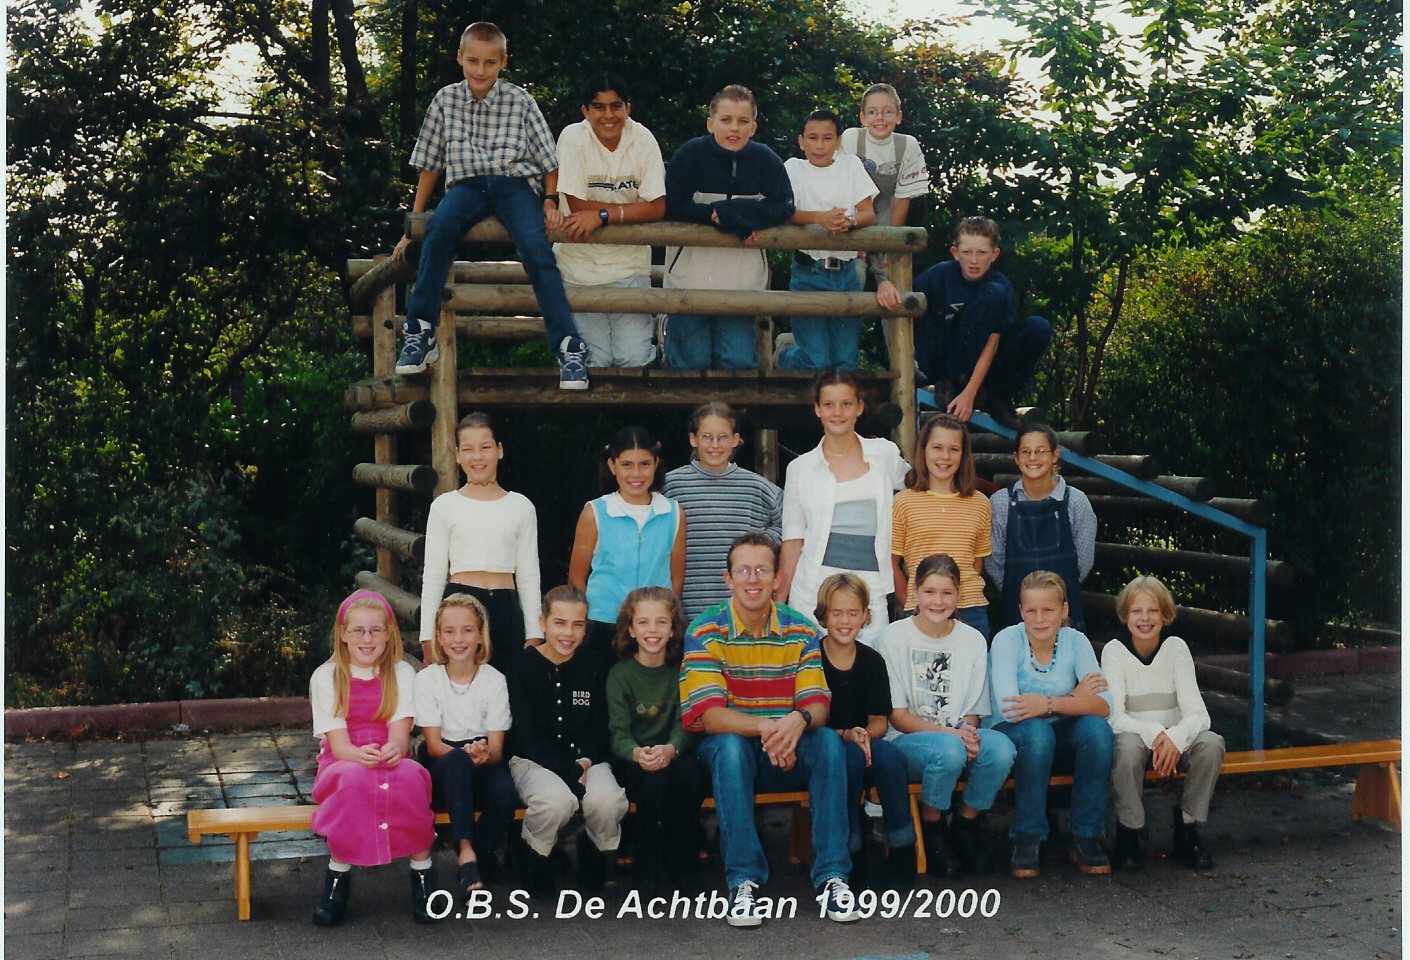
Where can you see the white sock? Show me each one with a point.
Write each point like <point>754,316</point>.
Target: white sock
<point>1186,817</point>
<point>337,866</point>
<point>421,864</point>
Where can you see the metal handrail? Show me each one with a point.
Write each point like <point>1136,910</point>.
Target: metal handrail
<point>1257,556</point>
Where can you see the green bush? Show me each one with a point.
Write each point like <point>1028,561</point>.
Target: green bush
<point>1272,363</point>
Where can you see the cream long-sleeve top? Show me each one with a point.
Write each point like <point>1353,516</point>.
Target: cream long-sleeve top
<point>1155,696</point>
<point>494,536</point>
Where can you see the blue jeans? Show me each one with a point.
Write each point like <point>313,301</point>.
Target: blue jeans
<point>514,202</point>
<point>1082,745</point>
<point>695,342</point>
<point>739,768</point>
<point>888,774</point>
<point>824,343</point>
<point>977,617</point>
<point>938,760</point>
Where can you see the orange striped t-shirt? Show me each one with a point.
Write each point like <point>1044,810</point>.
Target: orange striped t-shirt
<point>925,523</point>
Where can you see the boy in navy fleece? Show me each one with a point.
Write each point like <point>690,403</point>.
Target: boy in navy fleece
<point>969,342</point>
<point>737,186</point>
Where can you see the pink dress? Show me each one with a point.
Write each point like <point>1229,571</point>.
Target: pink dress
<point>371,815</point>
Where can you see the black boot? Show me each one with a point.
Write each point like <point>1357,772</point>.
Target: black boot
<point>901,867</point>
<point>970,843</point>
<point>940,861</point>
<point>423,884</point>
<point>1187,848</point>
<point>334,905</point>
<point>540,881</point>
<point>1027,849</point>
<point>1127,855</point>
<point>592,866</point>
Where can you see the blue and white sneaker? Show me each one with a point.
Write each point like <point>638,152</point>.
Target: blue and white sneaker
<point>418,349</point>
<point>839,902</point>
<point>572,364</point>
<point>743,909</point>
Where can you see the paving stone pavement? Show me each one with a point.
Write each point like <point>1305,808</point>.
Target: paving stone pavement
<point>96,864</point>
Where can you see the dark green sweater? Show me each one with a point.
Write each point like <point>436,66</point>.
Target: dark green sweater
<point>644,707</point>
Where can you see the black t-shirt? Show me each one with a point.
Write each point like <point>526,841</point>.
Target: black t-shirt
<point>859,693</point>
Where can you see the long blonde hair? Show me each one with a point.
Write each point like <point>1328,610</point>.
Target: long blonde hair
<point>385,665</point>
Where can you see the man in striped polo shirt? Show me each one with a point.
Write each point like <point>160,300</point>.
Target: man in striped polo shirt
<point>752,682</point>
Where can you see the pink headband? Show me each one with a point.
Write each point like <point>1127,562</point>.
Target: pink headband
<point>363,595</point>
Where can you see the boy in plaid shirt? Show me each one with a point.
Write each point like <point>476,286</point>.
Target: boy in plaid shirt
<point>493,144</point>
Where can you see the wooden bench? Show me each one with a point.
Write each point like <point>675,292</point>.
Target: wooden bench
<point>244,824</point>
<point>1377,782</point>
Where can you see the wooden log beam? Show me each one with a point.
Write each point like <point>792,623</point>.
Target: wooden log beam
<point>411,477</point>
<point>481,271</point>
<point>1234,627</point>
<point>1196,488</point>
<point>1251,511</point>
<point>410,545</point>
<point>385,391</point>
<point>473,328</point>
<point>406,605</point>
<point>1276,693</point>
<point>674,234</point>
<point>1279,573</point>
<point>1142,466</point>
<point>901,359</point>
<point>384,445</point>
<point>383,273</point>
<point>513,298</point>
<point>1089,443</point>
<point>416,415</point>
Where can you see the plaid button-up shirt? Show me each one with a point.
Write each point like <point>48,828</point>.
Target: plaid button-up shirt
<point>502,134</point>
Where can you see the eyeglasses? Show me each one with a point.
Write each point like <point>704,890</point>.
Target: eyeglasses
<point>357,633</point>
<point>1026,454</point>
<point>714,437</point>
<point>746,573</point>
<point>887,112</point>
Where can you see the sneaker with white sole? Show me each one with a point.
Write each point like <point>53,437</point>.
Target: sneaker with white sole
<point>418,349</point>
<point>839,902</point>
<point>743,907</point>
<point>572,364</point>
<point>784,341</point>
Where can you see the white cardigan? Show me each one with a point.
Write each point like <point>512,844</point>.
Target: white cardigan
<point>810,494</point>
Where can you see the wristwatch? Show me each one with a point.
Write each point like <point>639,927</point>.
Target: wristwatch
<point>604,216</point>
<point>551,196</point>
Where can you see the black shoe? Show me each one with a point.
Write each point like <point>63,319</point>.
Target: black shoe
<point>999,408</point>
<point>1187,848</point>
<point>940,861</point>
<point>592,866</point>
<point>540,881</point>
<point>1127,853</point>
<point>970,843</point>
<point>1025,855</point>
<point>901,868</point>
<point>1088,854</point>
<point>467,875</point>
<point>334,905</point>
<point>423,884</point>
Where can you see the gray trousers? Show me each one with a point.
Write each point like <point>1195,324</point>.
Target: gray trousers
<point>1131,759</point>
<point>549,805</point>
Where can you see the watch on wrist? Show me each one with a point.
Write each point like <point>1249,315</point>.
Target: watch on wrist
<point>604,216</point>
<point>807,717</point>
<point>551,196</point>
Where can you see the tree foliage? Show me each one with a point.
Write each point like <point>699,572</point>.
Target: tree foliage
<point>1272,363</point>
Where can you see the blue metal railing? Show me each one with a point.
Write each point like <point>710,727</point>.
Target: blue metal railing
<point>1257,554</point>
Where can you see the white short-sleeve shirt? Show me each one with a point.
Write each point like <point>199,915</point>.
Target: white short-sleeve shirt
<point>844,183</point>
<point>320,695</point>
<point>462,712</point>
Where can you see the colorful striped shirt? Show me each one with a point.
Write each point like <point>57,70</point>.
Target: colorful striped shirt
<point>762,676</point>
<point>925,523</point>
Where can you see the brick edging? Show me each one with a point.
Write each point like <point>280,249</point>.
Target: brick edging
<point>196,714</point>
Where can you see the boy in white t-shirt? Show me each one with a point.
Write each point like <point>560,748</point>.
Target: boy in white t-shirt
<point>834,192</point>
<point>609,172</point>
<point>896,166</point>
